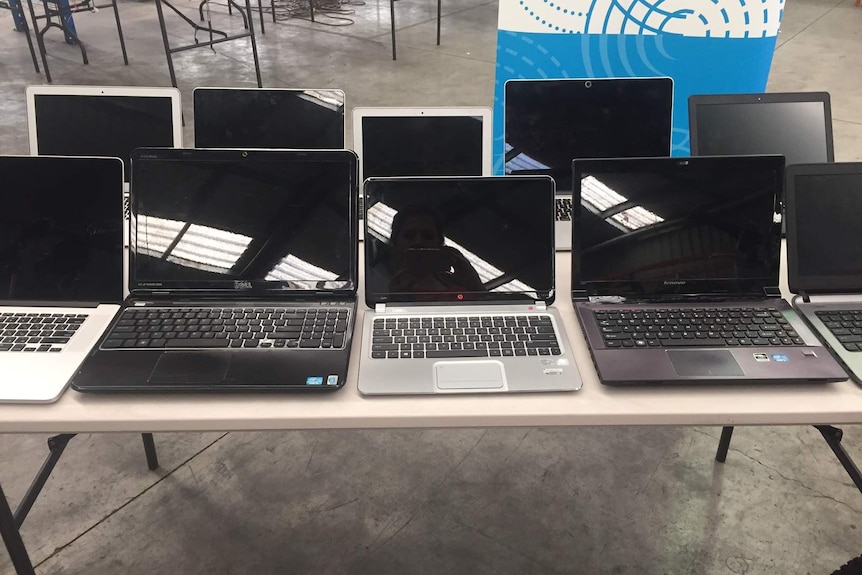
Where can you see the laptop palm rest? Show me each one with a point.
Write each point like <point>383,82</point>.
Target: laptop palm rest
<point>699,363</point>
<point>468,375</point>
<point>192,367</point>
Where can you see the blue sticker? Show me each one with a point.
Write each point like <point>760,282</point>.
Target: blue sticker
<point>313,381</point>
<point>332,380</point>
<point>779,357</point>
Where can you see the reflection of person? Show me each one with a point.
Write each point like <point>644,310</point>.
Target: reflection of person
<point>420,260</point>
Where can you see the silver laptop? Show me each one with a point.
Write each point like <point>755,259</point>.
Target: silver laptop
<point>824,254</point>
<point>61,268</point>
<point>548,123</point>
<point>459,273</point>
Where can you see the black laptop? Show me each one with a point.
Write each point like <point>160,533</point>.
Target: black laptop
<point>243,274</point>
<point>675,267</point>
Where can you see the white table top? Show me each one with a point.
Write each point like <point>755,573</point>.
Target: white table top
<point>594,404</point>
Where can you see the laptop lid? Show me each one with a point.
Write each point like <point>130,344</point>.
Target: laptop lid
<point>479,239</point>
<point>256,223</point>
<point>677,227</point>
<point>102,120</point>
<point>549,122</point>
<point>269,118</point>
<point>61,229</point>
<point>797,125</point>
<point>423,141</point>
<point>824,207</point>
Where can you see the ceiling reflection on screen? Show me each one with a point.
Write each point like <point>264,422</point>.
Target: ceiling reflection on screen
<point>190,245</point>
<point>304,274</point>
<point>603,201</point>
<point>329,99</point>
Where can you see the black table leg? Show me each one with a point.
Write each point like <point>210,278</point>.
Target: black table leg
<point>724,444</point>
<point>12,539</point>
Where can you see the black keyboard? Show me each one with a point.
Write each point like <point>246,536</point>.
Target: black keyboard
<point>38,331</point>
<point>463,336</point>
<point>845,325</point>
<point>563,209</point>
<point>203,327</point>
<point>696,327</point>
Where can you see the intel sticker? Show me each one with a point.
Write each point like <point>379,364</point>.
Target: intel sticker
<point>332,380</point>
<point>761,357</point>
<point>313,381</point>
<point>779,357</point>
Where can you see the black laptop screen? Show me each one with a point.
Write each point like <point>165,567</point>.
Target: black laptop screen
<point>422,146</point>
<point>113,126</point>
<point>677,226</point>
<point>445,239</point>
<point>61,229</point>
<point>550,122</point>
<point>308,119</point>
<point>244,221</point>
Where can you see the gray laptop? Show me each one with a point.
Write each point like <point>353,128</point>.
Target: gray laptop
<point>824,202</point>
<point>459,273</point>
<point>61,268</point>
<point>675,273</point>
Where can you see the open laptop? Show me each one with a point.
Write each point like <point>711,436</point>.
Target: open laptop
<point>460,275</point>
<point>824,254</point>
<point>243,274</point>
<point>269,118</point>
<point>103,121</point>
<point>550,122</point>
<point>675,273</point>
<point>61,268</point>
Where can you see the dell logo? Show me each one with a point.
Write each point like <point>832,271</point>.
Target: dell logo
<point>674,282</point>
<point>241,284</point>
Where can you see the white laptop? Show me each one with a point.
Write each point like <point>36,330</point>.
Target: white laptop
<point>422,142</point>
<point>548,123</point>
<point>61,268</point>
<point>459,273</point>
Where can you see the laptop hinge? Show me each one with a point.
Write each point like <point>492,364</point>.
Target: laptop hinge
<point>380,307</point>
<point>541,306</point>
<point>803,296</point>
<point>772,291</point>
<point>580,295</point>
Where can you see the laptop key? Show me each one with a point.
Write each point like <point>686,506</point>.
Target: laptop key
<point>693,342</point>
<point>198,343</point>
<point>5,346</point>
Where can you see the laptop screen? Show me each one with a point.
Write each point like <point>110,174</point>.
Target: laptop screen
<point>61,229</point>
<point>256,221</point>
<point>103,125</point>
<point>654,226</point>
<point>759,124</point>
<point>550,122</point>
<point>824,251</point>
<point>267,118</point>
<point>456,239</point>
<point>432,145</point>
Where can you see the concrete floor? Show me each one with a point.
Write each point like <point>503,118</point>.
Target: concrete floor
<point>538,500</point>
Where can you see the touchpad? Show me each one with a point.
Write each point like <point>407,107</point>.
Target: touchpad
<point>193,367</point>
<point>699,362</point>
<point>468,375</point>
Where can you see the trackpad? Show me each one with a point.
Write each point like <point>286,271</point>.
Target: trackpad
<point>193,367</point>
<point>468,375</point>
<point>697,362</point>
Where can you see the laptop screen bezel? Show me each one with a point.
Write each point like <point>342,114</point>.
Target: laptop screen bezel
<point>374,298</point>
<point>822,284</point>
<point>758,287</point>
<point>139,289</point>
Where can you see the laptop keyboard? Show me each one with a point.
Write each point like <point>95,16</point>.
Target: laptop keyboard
<point>696,327</point>
<point>202,328</point>
<point>563,209</point>
<point>846,326</point>
<point>463,336</point>
<point>38,331</point>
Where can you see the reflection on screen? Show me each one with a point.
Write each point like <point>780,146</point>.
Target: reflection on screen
<point>306,119</point>
<point>658,226</point>
<point>548,123</point>
<point>427,237</point>
<point>421,146</point>
<point>797,130</point>
<point>61,229</point>
<point>276,224</point>
<point>829,209</point>
<point>112,126</point>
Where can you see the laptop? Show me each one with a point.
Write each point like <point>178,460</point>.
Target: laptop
<point>61,268</point>
<point>824,255</point>
<point>675,273</point>
<point>459,273</point>
<point>243,274</point>
<point>269,118</point>
<point>103,121</point>
<point>547,123</point>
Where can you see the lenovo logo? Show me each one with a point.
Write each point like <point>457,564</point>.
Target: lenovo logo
<point>674,282</point>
